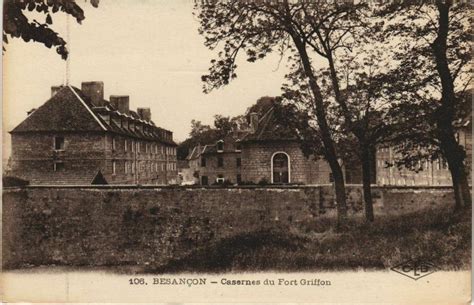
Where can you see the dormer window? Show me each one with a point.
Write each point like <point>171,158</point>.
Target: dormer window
<point>220,146</point>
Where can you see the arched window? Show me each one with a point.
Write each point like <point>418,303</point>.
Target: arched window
<point>280,165</point>
<point>220,145</point>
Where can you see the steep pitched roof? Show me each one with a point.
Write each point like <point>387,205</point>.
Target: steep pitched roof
<point>270,129</point>
<point>70,110</point>
<point>194,153</point>
<point>63,112</point>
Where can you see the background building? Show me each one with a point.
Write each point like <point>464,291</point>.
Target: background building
<point>430,172</point>
<point>77,137</point>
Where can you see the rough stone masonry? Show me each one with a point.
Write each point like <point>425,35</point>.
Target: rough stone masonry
<point>107,226</point>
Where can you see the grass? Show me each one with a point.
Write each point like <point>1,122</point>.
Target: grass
<point>435,235</point>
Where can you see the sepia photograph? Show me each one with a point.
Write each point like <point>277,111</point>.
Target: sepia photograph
<point>267,151</point>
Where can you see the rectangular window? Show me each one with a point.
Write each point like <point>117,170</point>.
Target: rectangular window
<point>126,167</point>
<point>133,168</point>
<point>58,166</point>
<point>59,143</point>
<point>138,147</point>
<point>133,146</point>
<point>114,144</point>
<point>114,165</point>
<point>220,162</point>
<point>203,162</point>
<point>125,145</point>
<point>239,179</point>
<point>238,162</point>
<point>238,147</point>
<point>204,180</point>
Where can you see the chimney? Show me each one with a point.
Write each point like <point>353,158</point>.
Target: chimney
<point>55,89</point>
<point>94,91</point>
<point>254,121</point>
<point>144,113</point>
<point>121,103</point>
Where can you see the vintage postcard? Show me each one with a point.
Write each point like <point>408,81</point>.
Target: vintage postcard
<point>223,151</point>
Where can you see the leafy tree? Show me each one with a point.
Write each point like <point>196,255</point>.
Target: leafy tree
<point>262,105</point>
<point>197,128</point>
<point>433,49</point>
<point>223,125</point>
<point>17,25</point>
<point>206,134</point>
<point>359,119</point>
<point>350,83</point>
<point>200,134</point>
<point>260,27</point>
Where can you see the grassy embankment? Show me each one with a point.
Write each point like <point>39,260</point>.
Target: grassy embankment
<point>435,235</point>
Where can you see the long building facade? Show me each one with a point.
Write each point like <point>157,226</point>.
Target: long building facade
<point>434,172</point>
<point>78,138</point>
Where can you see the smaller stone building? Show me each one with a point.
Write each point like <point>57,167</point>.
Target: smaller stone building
<point>265,153</point>
<point>272,154</point>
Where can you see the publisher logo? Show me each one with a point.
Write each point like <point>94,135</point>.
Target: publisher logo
<point>414,269</point>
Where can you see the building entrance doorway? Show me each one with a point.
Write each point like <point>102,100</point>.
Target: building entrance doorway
<point>280,168</point>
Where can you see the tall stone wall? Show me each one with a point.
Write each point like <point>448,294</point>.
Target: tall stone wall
<point>107,226</point>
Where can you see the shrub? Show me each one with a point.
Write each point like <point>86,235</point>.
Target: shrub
<point>10,181</point>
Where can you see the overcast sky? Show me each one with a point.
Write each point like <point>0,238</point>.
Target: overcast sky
<point>147,49</point>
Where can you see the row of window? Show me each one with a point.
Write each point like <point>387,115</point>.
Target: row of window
<point>148,166</point>
<point>410,182</point>
<point>438,164</point>
<point>128,145</point>
<point>149,147</point>
<point>220,146</point>
<point>220,162</point>
<point>128,168</point>
<point>132,125</point>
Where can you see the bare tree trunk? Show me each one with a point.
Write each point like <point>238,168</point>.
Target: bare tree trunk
<point>366,180</point>
<point>455,157</point>
<point>445,114</point>
<point>329,148</point>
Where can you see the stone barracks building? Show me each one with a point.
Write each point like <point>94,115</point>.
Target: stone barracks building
<point>79,138</point>
<point>265,153</point>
